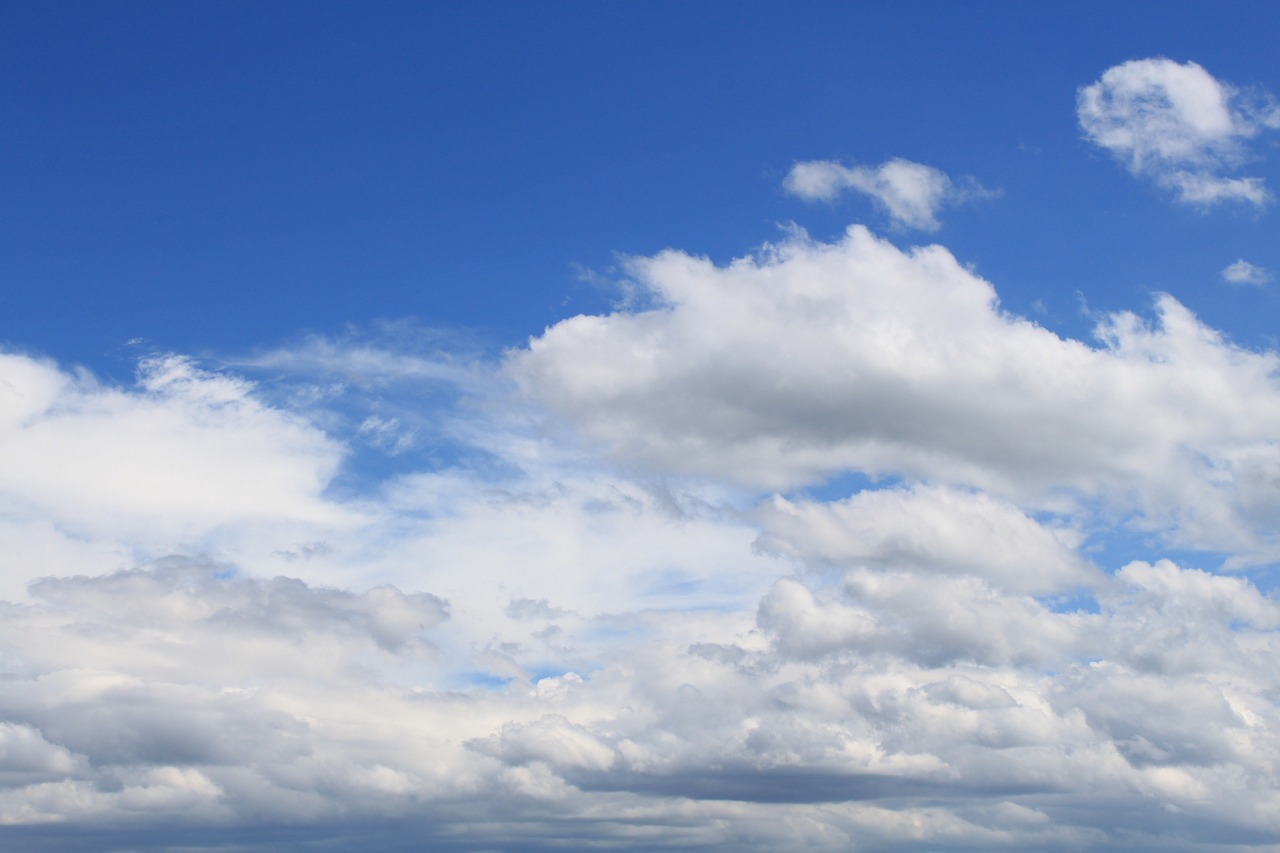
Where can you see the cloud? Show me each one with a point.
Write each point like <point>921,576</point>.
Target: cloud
<point>1180,126</point>
<point>930,530</point>
<point>812,359</point>
<point>1243,272</point>
<point>905,709</point>
<point>181,454</point>
<point>633,640</point>
<point>911,193</point>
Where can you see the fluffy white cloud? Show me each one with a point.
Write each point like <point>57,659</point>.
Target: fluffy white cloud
<point>183,453</point>
<point>1243,272</point>
<point>911,193</point>
<point>1178,125</point>
<point>812,359</point>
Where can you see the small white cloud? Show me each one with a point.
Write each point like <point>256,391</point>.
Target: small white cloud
<point>1243,272</point>
<point>1179,126</point>
<point>912,193</point>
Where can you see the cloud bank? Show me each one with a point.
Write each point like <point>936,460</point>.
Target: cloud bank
<point>1243,272</point>
<point>620,616</point>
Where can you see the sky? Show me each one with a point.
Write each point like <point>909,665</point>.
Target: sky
<point>683,426</point>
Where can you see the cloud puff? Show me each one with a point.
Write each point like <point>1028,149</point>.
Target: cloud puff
<point>1178,125</point>
<point>1243,272</point>
<point>911,193</point>
<point>814,359</point>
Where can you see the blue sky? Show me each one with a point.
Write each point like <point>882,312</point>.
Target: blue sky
<point>185,173</point>
<point>659,426</point>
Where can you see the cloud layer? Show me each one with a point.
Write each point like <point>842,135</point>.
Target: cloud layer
<point>1180,126</point>
<point>599,622</point>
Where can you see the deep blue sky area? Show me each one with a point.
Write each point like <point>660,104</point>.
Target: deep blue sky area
<point>214,177</point>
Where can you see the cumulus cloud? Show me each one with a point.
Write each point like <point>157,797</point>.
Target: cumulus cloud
<point>1243,272</point>
<point>911,193</point>
<point>1180,126</point>
<point>812,359</point>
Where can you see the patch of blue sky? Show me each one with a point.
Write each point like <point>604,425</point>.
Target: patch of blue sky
<point>846,484</point>
<point>472,679</point>
<point>1112,548</point>
<point>1266,578</point>
<point>1077,601</point>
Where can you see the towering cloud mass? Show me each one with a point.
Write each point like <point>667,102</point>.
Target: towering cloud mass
<point>1180,126</point>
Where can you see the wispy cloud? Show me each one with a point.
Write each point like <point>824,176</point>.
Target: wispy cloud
<point>1179,126</point>
<point>911,193</point>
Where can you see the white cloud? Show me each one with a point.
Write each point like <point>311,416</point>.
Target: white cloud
<point>911,193</point>
<point>1243,272</point>
<point>182,454</point>
<point>1178,125</point>
<point>927,529</point>
<point>814,359</point>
